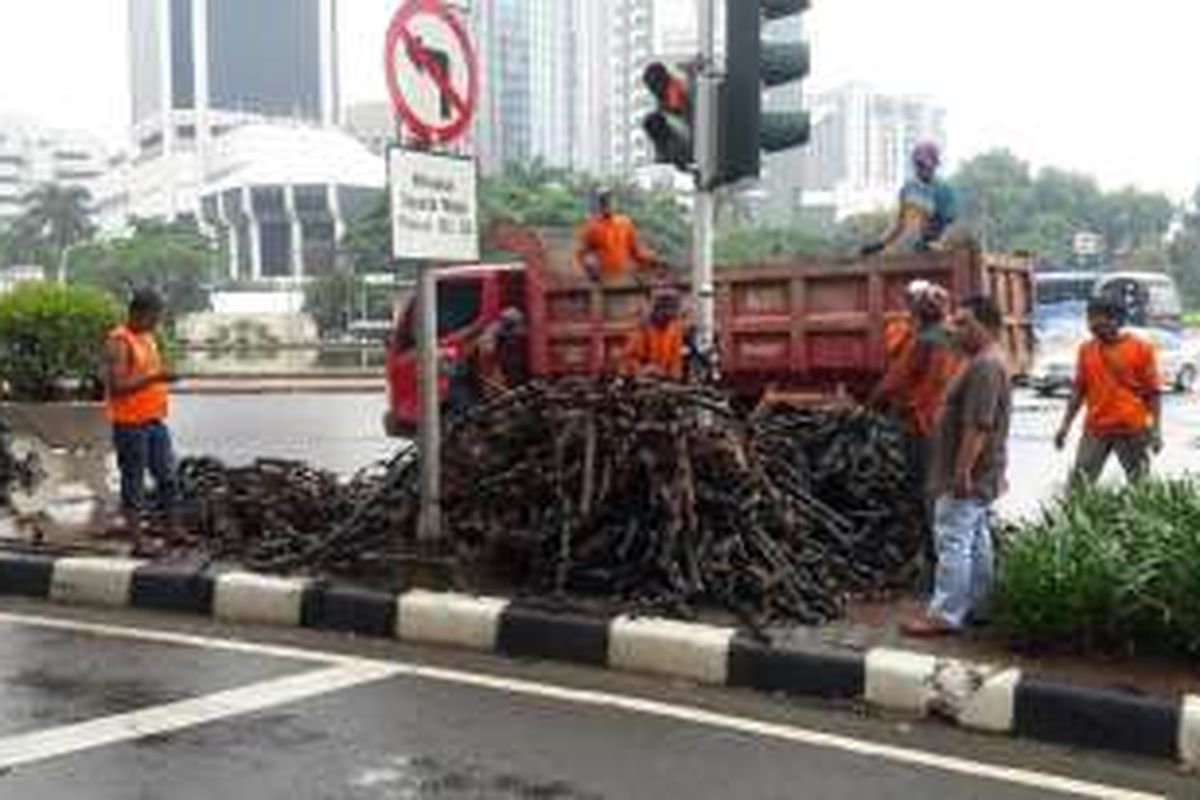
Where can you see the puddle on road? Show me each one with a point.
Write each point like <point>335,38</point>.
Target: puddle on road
<point>88,695</point>
<point>426,778</point>
<point>248,737</point>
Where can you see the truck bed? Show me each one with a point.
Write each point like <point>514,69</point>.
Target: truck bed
<point>807,324</point>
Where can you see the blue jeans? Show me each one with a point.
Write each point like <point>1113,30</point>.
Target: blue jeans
<point>964,558</point>
<point>142,447</point>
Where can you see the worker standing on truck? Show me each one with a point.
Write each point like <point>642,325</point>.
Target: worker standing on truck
<point>138,404</point>
<point>608,248</point>
<point>928,207</point>
<point>1116,377</point>
<point>657,347</point>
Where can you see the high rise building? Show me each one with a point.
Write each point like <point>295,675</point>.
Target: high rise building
<point>235,105</point>
<point>504,124</point>
<point>31,156</point>
<point>861,143</point>
<point>631,48</point>
<point>562,82</point>
<point>201,67</point>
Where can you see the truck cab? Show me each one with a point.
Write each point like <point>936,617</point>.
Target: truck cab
<point>469,299</point>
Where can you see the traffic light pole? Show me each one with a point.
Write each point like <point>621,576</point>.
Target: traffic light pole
<point>429,442</point>
<point>707,87</point>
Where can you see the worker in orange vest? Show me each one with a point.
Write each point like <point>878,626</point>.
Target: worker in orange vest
<point>657,347</point>
<point>923,360</point>
<point>608,248</point>
<point>138,404</point>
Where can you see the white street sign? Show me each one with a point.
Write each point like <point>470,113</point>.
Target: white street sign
<point>433,205</point>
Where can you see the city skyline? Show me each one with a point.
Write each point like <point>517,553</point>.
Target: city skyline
<point>1085,93</point>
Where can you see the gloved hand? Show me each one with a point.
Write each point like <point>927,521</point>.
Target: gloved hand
<point>872,249</point>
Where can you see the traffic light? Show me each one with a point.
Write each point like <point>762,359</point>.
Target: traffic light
<point>669,126</point>
<point>745,131</point>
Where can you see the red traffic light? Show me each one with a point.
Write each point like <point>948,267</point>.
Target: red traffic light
<point>670,125</point>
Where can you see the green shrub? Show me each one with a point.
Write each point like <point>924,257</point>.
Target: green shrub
<point>1106,569</point>
<point>52,341</point>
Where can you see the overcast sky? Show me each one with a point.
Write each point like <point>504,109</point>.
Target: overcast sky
<point>1102,87</point>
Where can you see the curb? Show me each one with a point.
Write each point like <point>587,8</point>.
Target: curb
<point>980,697</point>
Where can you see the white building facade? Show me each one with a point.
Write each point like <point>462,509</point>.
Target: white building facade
<point>31,156</point>
<point>861,145</point>
<point>279,199</point>
<point>200,68</point>
<point>562,83</point>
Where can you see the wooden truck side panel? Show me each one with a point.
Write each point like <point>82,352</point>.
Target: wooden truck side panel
<point>819,325</point>
<point>815,325</point>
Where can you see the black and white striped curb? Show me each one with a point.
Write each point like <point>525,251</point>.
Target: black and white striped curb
<point>994,699</point>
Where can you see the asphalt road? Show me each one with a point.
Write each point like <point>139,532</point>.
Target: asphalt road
<point>342,432</point>
<point>103,712</point>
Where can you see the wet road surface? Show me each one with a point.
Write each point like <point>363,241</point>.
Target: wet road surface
<point>101,713</point>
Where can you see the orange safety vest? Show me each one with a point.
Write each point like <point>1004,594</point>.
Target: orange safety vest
<point>661,347</point>
<point>614,241</point>
<point>150,403</point>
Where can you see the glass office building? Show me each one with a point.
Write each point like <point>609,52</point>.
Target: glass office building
<point>272,58</point>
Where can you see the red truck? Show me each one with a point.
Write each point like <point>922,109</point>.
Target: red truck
<point>808,326</point>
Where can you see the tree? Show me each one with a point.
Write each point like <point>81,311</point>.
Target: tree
<point>1012,209</point>
<point>995,197</point>
<point>1136,220</point>
<point>175,259</point>
<point>55,220</point>
<point>1184,252</point>
<point>535,195</point>
<point>660,220</point>
<point>368,239</point>
<point>859,229</point>
<point>330,300</point>
<point>747,245</point>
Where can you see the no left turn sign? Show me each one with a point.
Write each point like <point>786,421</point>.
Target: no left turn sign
<point>432,73</point>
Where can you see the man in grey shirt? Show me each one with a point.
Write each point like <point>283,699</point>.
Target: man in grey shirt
<point>967,473</point>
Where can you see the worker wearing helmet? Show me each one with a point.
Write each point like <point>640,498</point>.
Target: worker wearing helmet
<point>657,347</point>
<point>608,247</point>
<point>914,388</point>
<point>928,207</point>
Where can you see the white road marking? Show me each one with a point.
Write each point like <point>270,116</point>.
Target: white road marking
<point>181,639</point>
<point>346,672</point>
<point>64,740</point>
<point>769,730</point>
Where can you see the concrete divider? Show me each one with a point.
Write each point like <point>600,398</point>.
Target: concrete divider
<point>667,647</point>
<point>264,599</point>
<point>899,680</point>
<point>93,581</point>
<point>455,620</point>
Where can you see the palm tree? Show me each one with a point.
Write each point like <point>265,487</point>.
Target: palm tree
<point>56,218</point>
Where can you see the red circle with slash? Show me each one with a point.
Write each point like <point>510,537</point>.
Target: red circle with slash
<point>458,108</point>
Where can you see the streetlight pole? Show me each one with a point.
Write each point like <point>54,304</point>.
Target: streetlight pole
<point>429,442</point>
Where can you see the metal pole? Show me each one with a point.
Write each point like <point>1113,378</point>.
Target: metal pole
<point>429,433</point>
<point>708,82</point>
